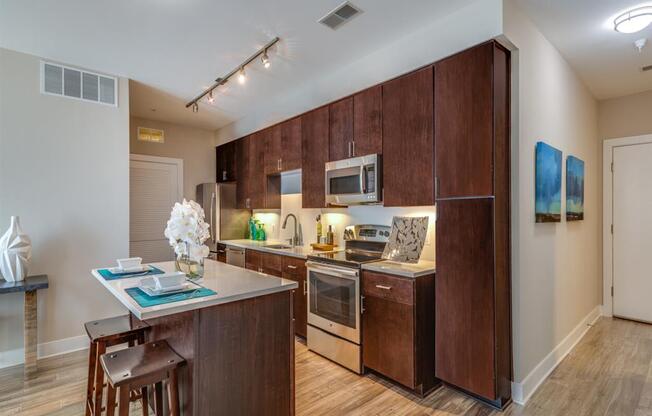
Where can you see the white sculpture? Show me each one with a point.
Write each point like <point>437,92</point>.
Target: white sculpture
<point>15,252</point>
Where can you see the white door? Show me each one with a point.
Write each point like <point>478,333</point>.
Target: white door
<point>155,184</point>
<point>632,238</point>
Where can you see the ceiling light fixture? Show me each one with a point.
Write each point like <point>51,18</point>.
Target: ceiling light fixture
<point>265,60</point>
<point>242,77</point>
<point>240,70</point>
<point>633,20</point>
<point>211,99</point>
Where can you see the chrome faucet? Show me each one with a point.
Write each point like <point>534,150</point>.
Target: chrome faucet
<point>295,240</point>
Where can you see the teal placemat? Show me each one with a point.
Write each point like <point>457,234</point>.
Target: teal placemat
<point>107,275</point>
<point>145,301</point>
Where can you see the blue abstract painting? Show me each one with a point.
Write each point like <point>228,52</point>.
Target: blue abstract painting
<point>548,183</point>
<point>574,189</point>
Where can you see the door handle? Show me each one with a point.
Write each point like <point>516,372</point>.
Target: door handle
<point>383,287</point>
<point>213,236</point>
<point>291,267</point>
<point>349,148</point>
<point>353,147</point>
<point>305,288</point>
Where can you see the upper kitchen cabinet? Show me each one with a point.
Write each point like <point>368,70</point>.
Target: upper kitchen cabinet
<point>408,142</point>
<point>341,129</point>
<point>272,139</point>
<point>226,162</point>
<point>257,183</point>
<point>314,154</point>
<point>368,122</point>
<point>242,161</point>
<point>291,144</point>
<point>470,97</point>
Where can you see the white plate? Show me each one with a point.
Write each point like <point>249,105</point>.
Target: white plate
<point>152,291</point>
<point>138,269</point>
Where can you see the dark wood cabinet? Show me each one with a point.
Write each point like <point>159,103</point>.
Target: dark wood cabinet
<point>242,185</point>
<point>221,253</point>
<point>256,189</point>
<point>341,129</point>
<point>473,296</point>
<point>314,144</point>
<point>464,115</point>
<point>398,329</point>
<point>291,144</point>
<point>408,142</point>
<point>368,122</point>
<point>295,269</point>
<point>263,262</point>
<point>226,162</point>
<point>273,150</point>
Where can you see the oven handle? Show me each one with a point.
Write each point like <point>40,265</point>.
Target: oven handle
<point>333,271</point>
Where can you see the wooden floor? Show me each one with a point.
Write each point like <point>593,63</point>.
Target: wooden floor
<point>608,373</point>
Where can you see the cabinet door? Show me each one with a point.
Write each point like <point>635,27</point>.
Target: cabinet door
<point>295,269</point>
<point>408,160</point>
<point>271,264</point>
<point>464,123</point>
<point>388,334</point>
<point>291,144</point>
<point>226,162</point>
<point>273,150</point>
<point>368,122</point>
<point>242,161</point>
<point>314,154</point>
<point>221,253</point>
<point>341,129</point>
<point>253,260</point>
<point>256,191</point>
<point>464,295</point>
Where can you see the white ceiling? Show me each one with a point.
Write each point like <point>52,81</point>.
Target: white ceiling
<point>172,49</point>
<point>582,30</point>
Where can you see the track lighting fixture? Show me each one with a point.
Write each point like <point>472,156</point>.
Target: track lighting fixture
<point>242,78</point>
<point>265,60</point>
<point>239,70</point>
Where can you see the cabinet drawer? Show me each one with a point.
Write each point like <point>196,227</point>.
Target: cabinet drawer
<point>394,288</point>
<point>294,266</point>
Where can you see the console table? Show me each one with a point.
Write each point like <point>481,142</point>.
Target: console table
<point>29,286</point>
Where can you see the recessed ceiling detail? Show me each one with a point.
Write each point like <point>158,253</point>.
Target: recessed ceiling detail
<point>342,14</point>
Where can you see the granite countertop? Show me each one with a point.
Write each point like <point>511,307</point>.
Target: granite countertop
<point>301,252</point>
<point>422,268</point>
<point>231,283</point>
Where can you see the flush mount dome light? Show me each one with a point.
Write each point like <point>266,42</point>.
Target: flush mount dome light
<point>634,20</point>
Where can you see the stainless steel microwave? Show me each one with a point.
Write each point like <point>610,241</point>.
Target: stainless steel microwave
<point>354,181</point>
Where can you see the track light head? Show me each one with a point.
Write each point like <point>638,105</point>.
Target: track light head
<point>211,99</point>
<point>241,76</point>
<point>195,108</point>
<point>265,60</point>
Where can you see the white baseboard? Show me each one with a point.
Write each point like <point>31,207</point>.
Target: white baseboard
<point>521,392</point>
<point>47,349</point>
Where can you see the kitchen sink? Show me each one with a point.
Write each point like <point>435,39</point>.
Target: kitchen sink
<point>278,246</point>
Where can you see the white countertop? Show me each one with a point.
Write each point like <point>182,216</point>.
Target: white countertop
<point>230,283</point>
<point>422,268</point>
<point>301,252</point>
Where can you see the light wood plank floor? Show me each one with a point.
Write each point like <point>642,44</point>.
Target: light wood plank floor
<point>608,373</point>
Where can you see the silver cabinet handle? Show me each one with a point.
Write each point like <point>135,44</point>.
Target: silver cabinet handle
<point>353,146</point>
<point>212,229</point>
<point>361,304</point>
<point>305,288</point>
<point>291,267</point>
<point>384,287</point>
<point>348,145</point>
<point>221,251</point>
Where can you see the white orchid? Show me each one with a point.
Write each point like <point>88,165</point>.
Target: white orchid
<point>186,230</point>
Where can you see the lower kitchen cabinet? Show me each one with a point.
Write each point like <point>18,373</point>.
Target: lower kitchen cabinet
<point>398,329</point>
<point>263,262</point>
<point>295,269</point>
<point>221,253</point>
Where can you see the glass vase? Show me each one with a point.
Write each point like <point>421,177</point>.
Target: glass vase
<point>193,268</point>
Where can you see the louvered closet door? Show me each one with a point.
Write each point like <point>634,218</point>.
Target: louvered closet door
<point>154,187</point>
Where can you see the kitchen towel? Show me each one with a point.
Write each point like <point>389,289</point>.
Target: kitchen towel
<point>406,239</point>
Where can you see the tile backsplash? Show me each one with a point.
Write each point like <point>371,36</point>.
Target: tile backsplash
<point>340,218</point>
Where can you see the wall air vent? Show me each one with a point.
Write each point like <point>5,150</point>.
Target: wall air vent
<point>79,84</point>
<point>646,68</point>
<point>342,14</point>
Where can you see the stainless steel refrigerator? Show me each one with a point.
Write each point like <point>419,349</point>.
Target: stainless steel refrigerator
<point>226,220</point>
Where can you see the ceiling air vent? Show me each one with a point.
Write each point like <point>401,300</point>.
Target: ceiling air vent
<point>646,68</point>
<point>79,84</point>
<point>343,13</point>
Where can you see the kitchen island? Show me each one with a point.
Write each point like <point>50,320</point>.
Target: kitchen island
<point>238,343</point>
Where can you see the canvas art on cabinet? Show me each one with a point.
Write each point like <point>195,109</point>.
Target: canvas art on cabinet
<point>574,189</point>
<point>547,183</point>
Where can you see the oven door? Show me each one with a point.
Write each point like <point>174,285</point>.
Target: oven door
<point>334,300</point>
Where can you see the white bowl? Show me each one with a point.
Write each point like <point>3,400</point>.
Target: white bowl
<point>168,280</point>
<point>129,263</point>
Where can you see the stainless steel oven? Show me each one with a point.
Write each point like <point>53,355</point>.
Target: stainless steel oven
<point>334,313</point>
<point>354,181</point>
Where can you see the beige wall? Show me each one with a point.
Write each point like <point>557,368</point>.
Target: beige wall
<point>626,116</point>
<point>195,146</point>
<point>63,170</point>
<point>556,280</point>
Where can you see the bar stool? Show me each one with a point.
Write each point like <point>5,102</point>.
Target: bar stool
<point>103,334</point>
<point>137,367</point>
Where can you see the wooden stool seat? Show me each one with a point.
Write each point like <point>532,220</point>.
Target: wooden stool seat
<point>137,367</point>
<point>105,333</point>
<point>117,328</point>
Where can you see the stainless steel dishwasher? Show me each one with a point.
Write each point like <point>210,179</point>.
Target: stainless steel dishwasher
<point>235,256</point>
